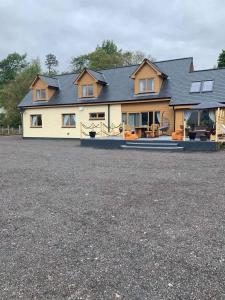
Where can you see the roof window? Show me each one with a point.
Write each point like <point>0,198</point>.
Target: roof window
<point>195,87</point>
<point>207,86</point>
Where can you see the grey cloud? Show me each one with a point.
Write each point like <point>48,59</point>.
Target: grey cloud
<point>164,29</point>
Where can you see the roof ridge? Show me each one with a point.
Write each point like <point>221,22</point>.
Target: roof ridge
<point>126,66</point>
<point>181,58</point>
<point>210,69</point>
<point>47,76</point>
<point>94,71</point>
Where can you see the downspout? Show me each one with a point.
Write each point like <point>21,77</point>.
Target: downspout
<point>21,115</point>
<point>109,121</point>
<point>174,119</point>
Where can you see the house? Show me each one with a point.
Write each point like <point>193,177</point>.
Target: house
<point>138,95</point>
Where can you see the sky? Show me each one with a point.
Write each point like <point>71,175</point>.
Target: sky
<point>163,29</point>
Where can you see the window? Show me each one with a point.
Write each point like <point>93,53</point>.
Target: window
<point>146,85</point>
<point>87,90</point>
<point>69,120</point>
<point>195,87</point>
<point>134,120</point>
<point>97,116</point>
<point>36,121</point>
<point>207,86</point>
<point>124,118</point>
<point>40,94</point>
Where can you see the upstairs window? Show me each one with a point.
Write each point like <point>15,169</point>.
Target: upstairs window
<point>97,116</point>
<point>88,90</point>
<point>146,85</point>
<point>36,121</point>
<point>69,120</point>
<point>207,86</point>
<point>195,87</point>
<point>41,94</point>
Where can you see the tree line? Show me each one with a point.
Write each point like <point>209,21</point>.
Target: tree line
<point>17,74</point>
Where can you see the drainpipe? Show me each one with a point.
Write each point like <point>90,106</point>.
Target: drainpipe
<point>21,115</point>
<point>109,121</point>
<point>174,119</point>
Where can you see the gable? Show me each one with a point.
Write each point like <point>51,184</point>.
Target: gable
<point>86,79</point>
<point>146,71</point>
<point>39,84</point>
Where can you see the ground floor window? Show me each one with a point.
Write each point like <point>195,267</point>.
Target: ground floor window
<point>69,120</point>
<point>200,118</point>
<point>36,121</point>
<point>97,116</point>
<point>142,119</point>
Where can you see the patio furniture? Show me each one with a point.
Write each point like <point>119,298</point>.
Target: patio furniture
<point>153,131</point>
<point>178,134</point>
<point>140,131</point>
<point>129,135</point>
<point>192,135</point>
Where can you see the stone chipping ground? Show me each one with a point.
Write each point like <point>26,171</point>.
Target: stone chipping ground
<point>81,223</point>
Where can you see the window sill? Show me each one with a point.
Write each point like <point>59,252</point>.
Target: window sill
<point>146,92</point>
<point>90,96</point>
<point>35,126</point>
<point>68,127</point>
<point>97,119</point>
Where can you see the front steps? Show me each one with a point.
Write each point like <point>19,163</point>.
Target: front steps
<point>153,146</point>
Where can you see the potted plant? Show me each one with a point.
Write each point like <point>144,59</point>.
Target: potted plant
<point>92,134</point>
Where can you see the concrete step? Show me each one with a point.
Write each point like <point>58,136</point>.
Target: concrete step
<point>153,148</point>
<point>152,144</point>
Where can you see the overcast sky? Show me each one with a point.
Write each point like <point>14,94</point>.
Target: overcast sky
<point>164,29</point>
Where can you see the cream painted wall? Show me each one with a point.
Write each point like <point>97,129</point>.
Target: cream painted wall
<point>52,120</point>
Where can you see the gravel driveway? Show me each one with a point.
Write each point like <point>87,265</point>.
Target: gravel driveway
<point>81,223</point>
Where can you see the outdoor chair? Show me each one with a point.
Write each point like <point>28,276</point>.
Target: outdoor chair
<point>129,135</point>
<point>178,134</point>
<point>153,131</point>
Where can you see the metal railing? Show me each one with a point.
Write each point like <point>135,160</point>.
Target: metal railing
<point>101,129</point>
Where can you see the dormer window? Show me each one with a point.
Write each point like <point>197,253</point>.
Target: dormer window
<point>41,94</point>
<point>146,85</point>
<point>88,90</point>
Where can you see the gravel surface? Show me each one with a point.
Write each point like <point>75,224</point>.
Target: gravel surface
<point>81,223</point>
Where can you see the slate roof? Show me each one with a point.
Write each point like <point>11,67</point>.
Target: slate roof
<point>120,87</point>
<point>98,75</point>
<point>51,81</point>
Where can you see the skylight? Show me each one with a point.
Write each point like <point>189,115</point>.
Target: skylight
<point>195,87</point>
<point>202,86</point>
<point>207,86</point>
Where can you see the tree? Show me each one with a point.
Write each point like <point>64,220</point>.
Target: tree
<point>11,66</point>
<point>221,59</point>
<point>108,55</point>
<point>80,62</point>
<point>51,61</point>
<point>14,90</point>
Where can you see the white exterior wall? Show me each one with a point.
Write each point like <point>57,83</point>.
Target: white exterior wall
<point>52,120</point>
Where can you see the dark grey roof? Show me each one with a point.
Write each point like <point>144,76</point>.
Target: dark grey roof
<point>120,87</point>
<point>51,81</point>
<point>208,105</point>
<point>97,75</point>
